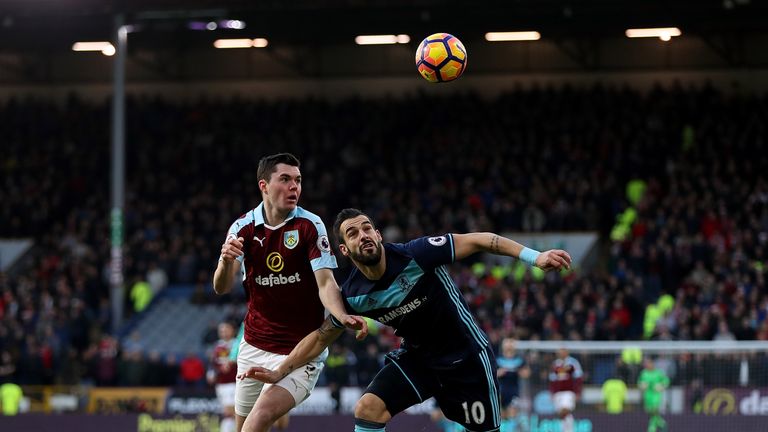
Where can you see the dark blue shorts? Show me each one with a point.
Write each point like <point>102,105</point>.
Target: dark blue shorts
<point>467,393</point>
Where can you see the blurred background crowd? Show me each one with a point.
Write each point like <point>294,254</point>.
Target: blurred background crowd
<point>673,180</point>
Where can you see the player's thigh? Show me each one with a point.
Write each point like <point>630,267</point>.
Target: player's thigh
<point>299,383</point>
<point>248,390</point>
<point>402,382</point>
<point>283,422</point>
<point>274,402</point>
<point>470,394</point>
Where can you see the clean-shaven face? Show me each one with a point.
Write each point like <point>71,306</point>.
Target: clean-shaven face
<point>284,187</point>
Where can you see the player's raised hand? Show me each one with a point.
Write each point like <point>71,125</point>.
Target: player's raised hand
<point>232,248</point>
<point>553,259</point>
<point>357,323</point>
<point>261,374</point>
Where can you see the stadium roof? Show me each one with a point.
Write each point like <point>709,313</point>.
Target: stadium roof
<point>315,38</point>
<point>55,24</point>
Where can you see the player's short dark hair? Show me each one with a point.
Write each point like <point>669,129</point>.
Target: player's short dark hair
<point>268,164</point>
<point>347,213</point>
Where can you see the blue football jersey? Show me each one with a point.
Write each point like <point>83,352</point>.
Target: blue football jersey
<point>513,365</point>
<point>418,298</point>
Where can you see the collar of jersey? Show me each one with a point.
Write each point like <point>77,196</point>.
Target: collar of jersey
<point>258,217</point>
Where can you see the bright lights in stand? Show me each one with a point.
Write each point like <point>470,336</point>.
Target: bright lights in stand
<point>105,48</point>
<point>241,43</point>
<point>382,39</point>
<point>512,36</point>
<point>663,33</point>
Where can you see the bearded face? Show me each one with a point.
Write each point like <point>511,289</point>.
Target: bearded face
<point>367,253</point>
<point>361,241</point>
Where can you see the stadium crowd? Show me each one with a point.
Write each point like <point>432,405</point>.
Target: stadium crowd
<point>531,160</point>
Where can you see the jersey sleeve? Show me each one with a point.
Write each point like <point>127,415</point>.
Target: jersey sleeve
<point>319,252</point>
<point>578,372</point>
<point>431,252</point>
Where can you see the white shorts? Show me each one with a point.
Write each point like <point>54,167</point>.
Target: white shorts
<point>226,394</point>
<point>299,383</point>
<point>564,400</point>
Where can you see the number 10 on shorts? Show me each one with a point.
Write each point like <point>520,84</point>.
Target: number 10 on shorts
<point>477,411</point>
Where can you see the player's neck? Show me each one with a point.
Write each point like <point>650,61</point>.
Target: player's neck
<point>376,271</point>
<point>272,215</point>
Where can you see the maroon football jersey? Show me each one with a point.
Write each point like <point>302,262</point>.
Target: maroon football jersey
<point>226,369</point>
<point>278,265</point>
<point>565,375</point>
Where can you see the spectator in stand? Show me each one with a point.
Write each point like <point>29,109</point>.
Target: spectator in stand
<point>723,332</point>
<point>131,369</point>
<point>192,371</point>
<point>157,278</point>
<point>155,370</point>
<point>103,361</point>
<point>699,238</point>
<point>171,370</point>
<point>368,364</point>
<point>337,370</point>
<point>7,367</point>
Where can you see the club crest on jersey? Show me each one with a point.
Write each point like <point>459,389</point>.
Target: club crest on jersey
<point>404,283</point>
<point>291,238</point>
<point>437,241</point>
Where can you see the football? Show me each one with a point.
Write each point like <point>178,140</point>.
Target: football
<point>441,57</point>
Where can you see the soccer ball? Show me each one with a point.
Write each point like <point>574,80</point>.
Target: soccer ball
<point>441,58</point>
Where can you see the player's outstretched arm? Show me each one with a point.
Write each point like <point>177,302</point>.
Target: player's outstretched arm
<point>307,349</point>
<point>330,296</point>
<point>472,243</point>
<point>224,276</point>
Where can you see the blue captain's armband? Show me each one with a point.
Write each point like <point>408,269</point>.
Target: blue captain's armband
<point>529,256</point>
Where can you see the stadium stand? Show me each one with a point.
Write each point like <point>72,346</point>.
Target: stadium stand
<point>690,265</point>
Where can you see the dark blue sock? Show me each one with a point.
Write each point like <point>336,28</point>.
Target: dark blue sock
<point>368,426</point>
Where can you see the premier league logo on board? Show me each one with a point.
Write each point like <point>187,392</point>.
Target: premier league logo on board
<point>291,238</point>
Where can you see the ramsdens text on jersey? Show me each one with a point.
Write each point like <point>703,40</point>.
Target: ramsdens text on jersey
<point>402,310</point>
<point>273,279</point>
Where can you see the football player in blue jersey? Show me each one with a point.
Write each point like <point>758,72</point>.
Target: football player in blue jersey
<point>512,368</point>
<point>444,354</point>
